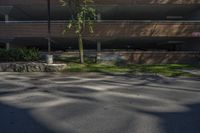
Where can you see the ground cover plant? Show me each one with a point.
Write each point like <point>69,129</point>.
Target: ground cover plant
<point>19,54</point>
<point>169,70</point>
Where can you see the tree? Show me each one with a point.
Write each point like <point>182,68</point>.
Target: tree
<point>82,18</point>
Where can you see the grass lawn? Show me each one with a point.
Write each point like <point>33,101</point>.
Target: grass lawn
<point>170,70</point>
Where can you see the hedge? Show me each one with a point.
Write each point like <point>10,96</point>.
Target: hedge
<point>19,54</point>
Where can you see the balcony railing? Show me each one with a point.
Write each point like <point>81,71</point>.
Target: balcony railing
<point>101,2</point>
<point>103,29</point>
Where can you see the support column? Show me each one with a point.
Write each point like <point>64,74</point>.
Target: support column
<point>49,45</point>
<point>49,25</point>
<point>5,10</point>
<point>98,53</point>
<point>7,45</point>
<point>98,17</point>
<point>98,46</point>
<point>6,18</point>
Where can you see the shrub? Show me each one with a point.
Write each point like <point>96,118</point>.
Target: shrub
<point>19,54</point>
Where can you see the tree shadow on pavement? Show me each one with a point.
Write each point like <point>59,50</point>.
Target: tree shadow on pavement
<point>179,122</point>
<point>16,120</point>
<point>124,101</point>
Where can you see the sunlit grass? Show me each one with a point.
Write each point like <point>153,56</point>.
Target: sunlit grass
<point>169,70</point>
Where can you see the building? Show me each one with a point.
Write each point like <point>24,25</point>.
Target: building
<point>171,27</point>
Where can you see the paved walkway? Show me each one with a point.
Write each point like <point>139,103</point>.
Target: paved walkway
<point>94,103</point>
<point>195,72</point>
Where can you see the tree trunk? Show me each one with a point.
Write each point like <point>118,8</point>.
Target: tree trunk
<point>80,41</point>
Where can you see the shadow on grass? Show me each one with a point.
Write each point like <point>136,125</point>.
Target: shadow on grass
<point>89,60</point>
<point>169,70</point>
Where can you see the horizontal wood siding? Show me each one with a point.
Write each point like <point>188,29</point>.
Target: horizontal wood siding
<point>103,30</point>
<point>101,2</point>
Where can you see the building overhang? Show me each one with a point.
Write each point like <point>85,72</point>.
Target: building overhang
<point>101,2</point>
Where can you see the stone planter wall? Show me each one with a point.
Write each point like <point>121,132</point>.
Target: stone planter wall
<point>31,67</point>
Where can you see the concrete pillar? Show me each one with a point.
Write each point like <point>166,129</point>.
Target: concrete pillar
<point>5,10</point>
<point>98,17</point>
<point>98,56</point>
<point>49,44</point>
<point>7,46</point>
<point>98,53</point>
<point>6,18</point>
<point>98,46</point>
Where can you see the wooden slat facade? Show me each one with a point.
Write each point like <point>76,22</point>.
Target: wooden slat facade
<point>104,29</point>
<point>101,2</point>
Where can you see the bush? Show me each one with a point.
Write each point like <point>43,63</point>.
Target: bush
<point>19,54</point>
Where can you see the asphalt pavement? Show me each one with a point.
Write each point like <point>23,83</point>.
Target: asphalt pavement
<point>98,103</point>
